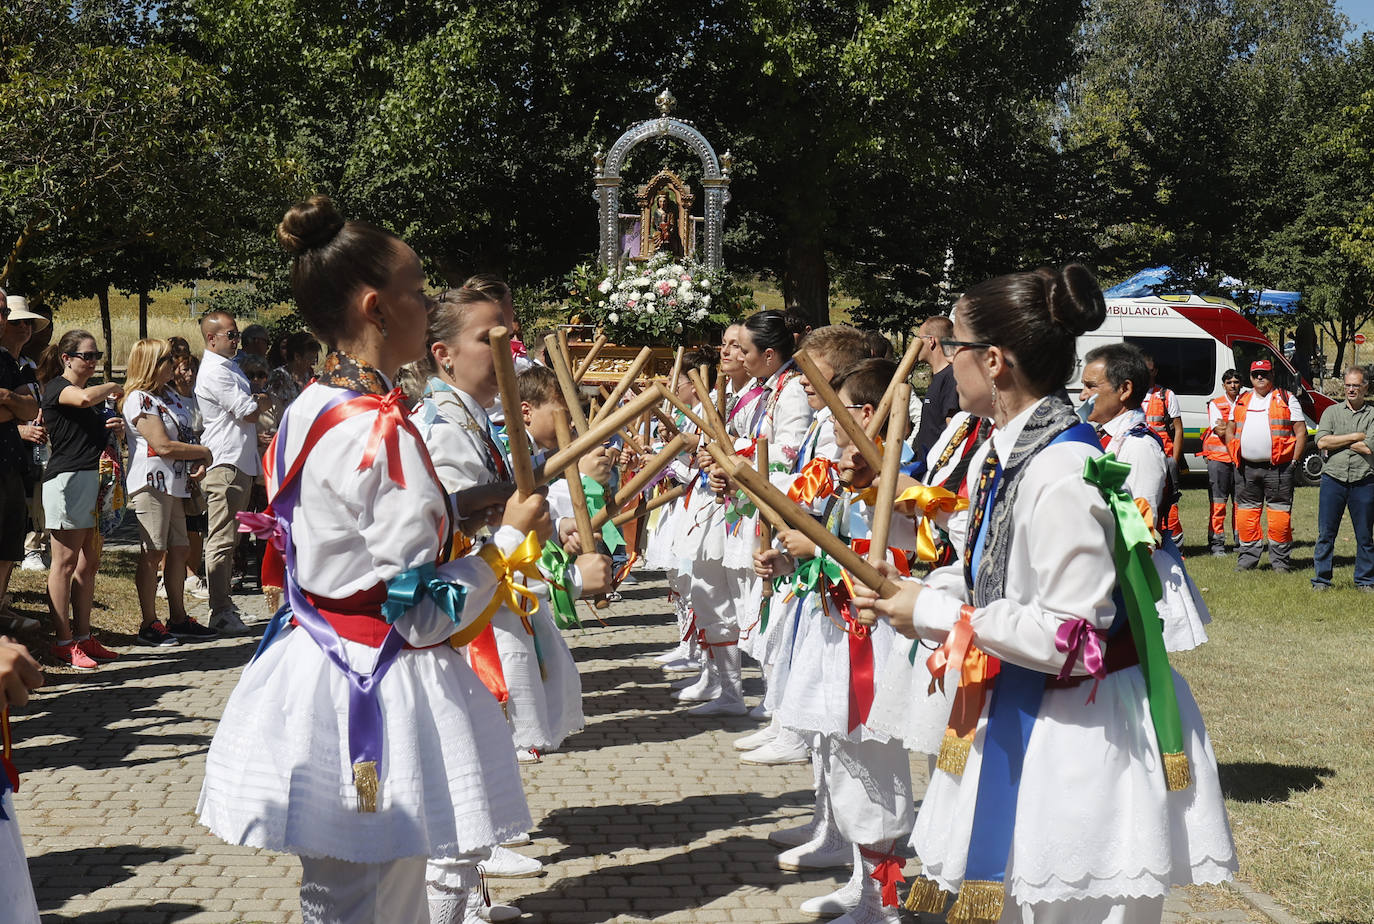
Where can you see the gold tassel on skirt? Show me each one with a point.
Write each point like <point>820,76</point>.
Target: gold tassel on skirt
<point>926,896</point>
<point>1177,775</point>
<point>978,902</point>
<point>367,784</point>
<point>954,753</point>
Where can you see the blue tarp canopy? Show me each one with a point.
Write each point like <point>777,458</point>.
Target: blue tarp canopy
<point>1144,283</point>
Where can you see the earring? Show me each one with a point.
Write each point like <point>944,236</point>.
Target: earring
<point>448,368</point>
<point>994,397</point>
<point>382,325</point>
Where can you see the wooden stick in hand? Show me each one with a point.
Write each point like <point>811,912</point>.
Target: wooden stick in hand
<point>559,360</point>
<point>875,426</point>
<point>585,366</point>
<point>627,380</point>
<point>510,404</point>
<point>887,479</point>
<point>586,534</point>
<point>843,419</point>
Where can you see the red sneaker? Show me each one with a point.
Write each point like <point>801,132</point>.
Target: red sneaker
<point>72,656</point>
<point>96,651</point>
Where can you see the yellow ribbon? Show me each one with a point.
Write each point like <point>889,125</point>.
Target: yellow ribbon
<point>523,561</point>
<point>928,500</point>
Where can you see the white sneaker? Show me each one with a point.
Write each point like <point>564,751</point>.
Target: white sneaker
<point>683,665</point>
<point>841,901</point>
<point>161,589</point>
<point>784,749</point>
<point>794,837</point>
<point>527,755</point>
<point>760,712</point>
<point>504,863</point>
<point>518,841</point>
<point>196,587</point>
<point>672,654</point>
<point>756,740</point>
<point>229,621</point>
<point>33,561</point>
<point>827,850</point>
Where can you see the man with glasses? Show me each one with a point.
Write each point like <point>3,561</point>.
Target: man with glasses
<point>230,412</point>
<point>1265,434</point>
<point>1221,472</point>
<point>941,401</point>
<point>17,405</point>
<point>1346,432</point>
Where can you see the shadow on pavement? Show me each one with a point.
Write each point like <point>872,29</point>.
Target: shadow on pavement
<point>1254,781</point>
<point>169,911</point>
<point>62,874</point>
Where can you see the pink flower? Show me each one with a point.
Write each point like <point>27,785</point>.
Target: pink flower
<point>664,287</point>
<point>631,303</point>
<point>685,278</point>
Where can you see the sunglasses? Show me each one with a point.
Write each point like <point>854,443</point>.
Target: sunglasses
<point>229,334</point>
<point>1261,374</point>
<point>89,356</point>
<point>951,347</point>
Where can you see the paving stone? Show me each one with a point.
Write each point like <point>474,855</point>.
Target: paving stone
<point>646,815</point>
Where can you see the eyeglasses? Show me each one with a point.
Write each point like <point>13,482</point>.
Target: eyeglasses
<point>951,347</point>
<point>1356,385</point>
<point>89,356</point>
<point>229,334</point>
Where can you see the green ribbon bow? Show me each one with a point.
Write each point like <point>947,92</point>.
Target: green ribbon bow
<point>811,571</point>
<point>1140,586</point>
<point>739,507</point>
<point>556,563</point>
<point>596,501</point>
<point>408,588</point>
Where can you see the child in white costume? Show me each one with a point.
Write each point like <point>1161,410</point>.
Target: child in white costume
<point>1076,820</point>
<point>864,797</point>
<point>18,675</point>
<point>357,738</point>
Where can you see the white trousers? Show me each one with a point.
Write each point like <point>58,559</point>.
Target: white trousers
<point>1087,911</point>
<point>870,788</point>
<point>339,892</point>
<point>16,890</point>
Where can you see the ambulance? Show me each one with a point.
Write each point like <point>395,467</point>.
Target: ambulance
<point>1194,339</point>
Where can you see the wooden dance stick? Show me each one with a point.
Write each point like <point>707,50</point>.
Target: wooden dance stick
<point>586,535</point>
<point>627,379</point>
<point>596,434</point>
<point>562,334</point>
<point>655,464</point>
<point>720,398</point>
<point>559,360</point>
<point>520,461</point>
<point>821,385</point>
<point>691,415</point>
<point>585,366</point>
<point>763,493</point>
<point>708,408</point>
<point>887,480</point>
<point>765,531</point>
<point>667,497</point>
<point>875,426</point>
<point>676,375</point>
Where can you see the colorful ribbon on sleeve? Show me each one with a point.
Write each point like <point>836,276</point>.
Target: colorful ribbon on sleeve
<point>1141,590</point>
<point>1079,640</point>
<point>524,561</point>
<point>596,502</point>
<point>976,671</point>
<point>811,572</point>
<point>816,479</point>
<point>268,526</point>
<point>556,564</point>
<point>408,588</point>
<point>928,501</point>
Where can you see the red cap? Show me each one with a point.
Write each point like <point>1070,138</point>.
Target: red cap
<point>1261,365</point>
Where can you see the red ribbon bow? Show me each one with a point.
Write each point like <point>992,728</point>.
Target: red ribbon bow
<point>517,348</point>
<point>391,418</point>
<point>887,872</point>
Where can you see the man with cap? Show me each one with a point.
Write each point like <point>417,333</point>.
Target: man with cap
<point>1266,434</point>
<point>256,341</point>
<point>18,332</point>
<point>17,405</point>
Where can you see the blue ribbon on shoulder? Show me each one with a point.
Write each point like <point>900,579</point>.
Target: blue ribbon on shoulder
<point>408,588</point>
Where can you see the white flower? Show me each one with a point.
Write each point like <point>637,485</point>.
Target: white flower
<point>699,314</point>
<point>649,296</point>
<point>605,286</point>
<point>675,270</point>
<point>704,283</point>
<point>613,318</point>
<point>601,304</point>
<point>706,299</point>
<point>650,309</point>
<point>677,328</point>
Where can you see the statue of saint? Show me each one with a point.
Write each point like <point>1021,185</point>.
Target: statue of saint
<point>664,218</point>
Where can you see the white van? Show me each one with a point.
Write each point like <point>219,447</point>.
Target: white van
<point>1194,339</point>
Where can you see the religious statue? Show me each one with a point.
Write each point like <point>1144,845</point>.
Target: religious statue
<point>664,221</point>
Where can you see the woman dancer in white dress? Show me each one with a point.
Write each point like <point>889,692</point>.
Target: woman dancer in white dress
<point>358,738</point>
<point>1068,801</point>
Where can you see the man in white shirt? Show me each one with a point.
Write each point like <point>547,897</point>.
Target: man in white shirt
<point>230,410</point>
<point>1117,378</point>
<point>1266,433</point>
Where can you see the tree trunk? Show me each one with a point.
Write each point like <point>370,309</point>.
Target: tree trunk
<point>806,280</point>
<point>106,331</point>
<point>143,301</point>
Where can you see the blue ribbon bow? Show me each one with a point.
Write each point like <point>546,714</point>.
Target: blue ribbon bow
<point>408,588</point>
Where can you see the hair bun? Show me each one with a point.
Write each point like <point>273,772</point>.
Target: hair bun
<point>1074,298</point>
<point>309,225</point>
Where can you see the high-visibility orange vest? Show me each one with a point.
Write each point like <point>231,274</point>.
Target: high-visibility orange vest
<point>1157,416</point>
<point>1213,446</point>
<point>1282,442</point>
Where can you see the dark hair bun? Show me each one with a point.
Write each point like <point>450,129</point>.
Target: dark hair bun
<point>1074,298</point>
<point>309,225</point>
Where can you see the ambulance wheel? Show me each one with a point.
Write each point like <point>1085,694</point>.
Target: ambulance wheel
<point>1310,466</point>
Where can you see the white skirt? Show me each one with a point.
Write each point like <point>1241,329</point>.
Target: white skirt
<point>700,531</point>
<point>816,698</point>
<point>544,707</point>
<point>659,551</point>
<point>1182,608</point>
<point>904,708</point>
<point>278,773</point>
<point>1093,818</point>
<point>16,890</point>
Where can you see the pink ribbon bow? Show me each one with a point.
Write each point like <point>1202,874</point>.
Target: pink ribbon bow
<point>263,526</point>
<point>1079,640</point>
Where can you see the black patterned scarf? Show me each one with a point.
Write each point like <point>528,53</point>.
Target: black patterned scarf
<point>344,371</point>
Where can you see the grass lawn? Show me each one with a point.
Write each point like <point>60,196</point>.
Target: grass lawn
<point>1279,687</point>
<point>1278,684</point>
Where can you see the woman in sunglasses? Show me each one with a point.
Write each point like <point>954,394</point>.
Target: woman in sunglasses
<point>78,428</point>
